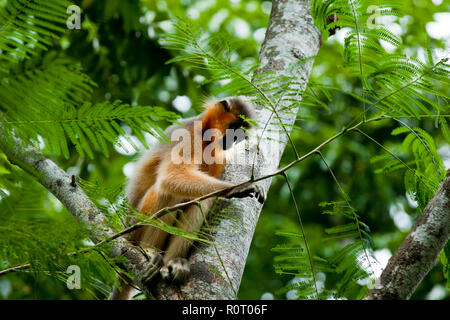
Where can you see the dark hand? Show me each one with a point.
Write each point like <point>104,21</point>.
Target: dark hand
<point>248,190</point>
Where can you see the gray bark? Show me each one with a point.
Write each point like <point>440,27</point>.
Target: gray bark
<point>418,252</point>
<point>290,36</point>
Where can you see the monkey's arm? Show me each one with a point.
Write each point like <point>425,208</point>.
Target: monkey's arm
<point>189,182</point>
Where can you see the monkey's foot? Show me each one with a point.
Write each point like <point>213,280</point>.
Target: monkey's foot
<point>155,264</point>
<point>248,190</point>
<point>176,270</point>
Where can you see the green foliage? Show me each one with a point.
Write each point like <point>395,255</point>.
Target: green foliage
<point>47,98</point>
<point>51,100</point>
<point>55,93</point>
<point>357,77</point>
<point>422,182</point>
<point>445,257</point>
<point>213,53</point>
<point>45,101</point>
<point>28,26</point>
<point>21,236</point>
<point>293,260</point>
<point>351,264</point>
<point>400,87</point>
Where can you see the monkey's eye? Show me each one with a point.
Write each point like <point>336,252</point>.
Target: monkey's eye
<point>235,124</point>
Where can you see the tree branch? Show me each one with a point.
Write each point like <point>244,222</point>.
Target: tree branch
<point>58,182</point>
<point>418,252</point>
<point>15,269</point>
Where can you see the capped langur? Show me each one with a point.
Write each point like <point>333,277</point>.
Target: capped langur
<point>189,167</point>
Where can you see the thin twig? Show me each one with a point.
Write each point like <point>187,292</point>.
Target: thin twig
<point>15,269</point>
<point>355,216</point>
<point>311,263</point>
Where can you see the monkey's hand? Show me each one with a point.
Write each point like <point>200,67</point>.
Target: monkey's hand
<point>154,265</point>
<point>176,270</point>
<point>248,190</point>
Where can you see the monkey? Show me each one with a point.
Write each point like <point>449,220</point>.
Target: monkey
<point>169,175</point>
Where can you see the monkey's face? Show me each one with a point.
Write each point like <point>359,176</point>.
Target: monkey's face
<point>236,127</point>
<point>234,133</point>
<point>231,118</point>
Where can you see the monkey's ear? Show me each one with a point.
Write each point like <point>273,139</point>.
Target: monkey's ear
<point>225,105</point>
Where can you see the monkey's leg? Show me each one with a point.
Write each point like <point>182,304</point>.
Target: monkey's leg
<point>126,293</point>
<point>176,266</point>
<point>155,262</point>
<point>151,239</point>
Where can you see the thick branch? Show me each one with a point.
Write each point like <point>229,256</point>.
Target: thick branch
<point>418,252</point>
<point>291,36</point>
<point>75,200</point>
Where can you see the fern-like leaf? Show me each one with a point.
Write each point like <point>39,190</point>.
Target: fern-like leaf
<point>29,25</point>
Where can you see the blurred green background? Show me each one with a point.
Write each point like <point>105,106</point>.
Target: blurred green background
<point>118,48</point>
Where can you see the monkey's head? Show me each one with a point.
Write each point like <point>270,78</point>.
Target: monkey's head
<point>232,116</point>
